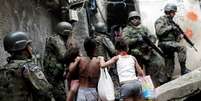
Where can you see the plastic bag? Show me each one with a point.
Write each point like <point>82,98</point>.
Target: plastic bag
<point>105,86</point>
<point>147,87</point>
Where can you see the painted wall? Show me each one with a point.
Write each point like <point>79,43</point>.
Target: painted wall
<point>188,17</point>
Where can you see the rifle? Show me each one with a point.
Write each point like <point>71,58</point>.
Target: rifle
<point>180,31</point>
<point>150,43</point>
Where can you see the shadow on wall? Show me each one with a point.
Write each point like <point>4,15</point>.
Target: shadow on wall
<point>194,97</point>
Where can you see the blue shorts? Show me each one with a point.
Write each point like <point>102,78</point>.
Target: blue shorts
<point>130,88</point>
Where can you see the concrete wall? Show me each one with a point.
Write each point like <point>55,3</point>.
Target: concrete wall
<point>188,17</point>
<point>31,16</point>
<point>24,15</point>
<point>81,29</point>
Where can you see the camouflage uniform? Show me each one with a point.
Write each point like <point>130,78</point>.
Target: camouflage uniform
<point>104,46</point>
<point>22,80</point>
<point>145,55</point>
<point>169,43</point>
<point>106,49</point>
<point>54,66</point>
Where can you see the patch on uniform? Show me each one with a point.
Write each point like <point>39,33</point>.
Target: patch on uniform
<point>39,75</point>
<point>37,72</point>
<point>26,73</point>
<point>34,68</point>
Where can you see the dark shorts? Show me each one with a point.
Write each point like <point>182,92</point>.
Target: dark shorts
<point>130,88</point>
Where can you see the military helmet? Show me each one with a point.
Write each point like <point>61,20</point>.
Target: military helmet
<point>16,41</point>
<point>63,28</point>
<point>100,27</point>
<point>170,7</point>
<point>133,14</point>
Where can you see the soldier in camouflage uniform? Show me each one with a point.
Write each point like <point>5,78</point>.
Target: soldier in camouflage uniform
<point>20,78</point>
<point>169,40</point>
<point>54,67</point>
<point>106,49</point>
<point>146,56</point>
<point>105,46</point>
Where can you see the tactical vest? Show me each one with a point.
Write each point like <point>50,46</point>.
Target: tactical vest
<point>13,86</point>
<point>54,53</point>
<point>53,65</point>
<point>101,48</point>
<point>168,35</point>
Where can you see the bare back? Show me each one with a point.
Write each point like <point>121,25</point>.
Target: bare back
<point>89,71</point>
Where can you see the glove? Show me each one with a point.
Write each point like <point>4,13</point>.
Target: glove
<point>140,39</point>
<point>179,37</point>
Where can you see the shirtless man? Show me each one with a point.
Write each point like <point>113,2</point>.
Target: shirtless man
<point>88,69</point>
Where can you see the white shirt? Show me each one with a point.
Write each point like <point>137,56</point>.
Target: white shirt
<point>126,68</point>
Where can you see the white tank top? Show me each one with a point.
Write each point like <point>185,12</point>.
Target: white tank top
<point>126,68</point>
